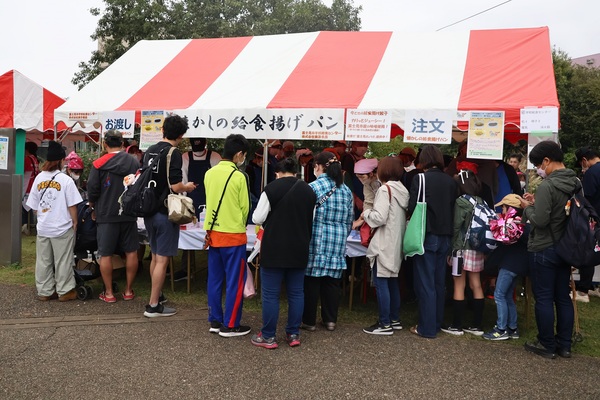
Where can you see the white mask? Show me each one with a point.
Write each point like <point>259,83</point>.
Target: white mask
<point>239,164</point>
<point>541,173</point>
<point>522,184</point>
<point>75,176</point>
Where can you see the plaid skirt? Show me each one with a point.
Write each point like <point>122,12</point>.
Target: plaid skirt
<point>473,260</point>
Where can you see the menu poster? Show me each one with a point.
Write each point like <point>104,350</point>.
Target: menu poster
<point>486,135</point>
<point>151,131</point>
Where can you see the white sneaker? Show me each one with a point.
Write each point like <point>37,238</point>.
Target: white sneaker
<point>582,297</point>
<point>594,293</point>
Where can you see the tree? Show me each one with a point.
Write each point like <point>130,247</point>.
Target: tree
<point>579,96</point>
<point>124,22</point>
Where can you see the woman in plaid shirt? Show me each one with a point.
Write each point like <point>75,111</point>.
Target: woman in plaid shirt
<point>331,226</point>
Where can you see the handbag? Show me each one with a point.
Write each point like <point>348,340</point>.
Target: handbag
<point>249,288</point>
<point>414,237</point>
<point>366,232</point>
<point>180,207</point>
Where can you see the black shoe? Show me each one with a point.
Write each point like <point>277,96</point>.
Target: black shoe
<point>162,299</point>
<point>215,327</point>
<point>180,276</point>
<point>539,349</point>
<point>564,353</point>
<point>379,329</point>
<point>237,331</point>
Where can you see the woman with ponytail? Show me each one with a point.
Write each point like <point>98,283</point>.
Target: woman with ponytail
<point>327,253</point>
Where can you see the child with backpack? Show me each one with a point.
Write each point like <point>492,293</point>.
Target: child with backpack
<point>465,255</point>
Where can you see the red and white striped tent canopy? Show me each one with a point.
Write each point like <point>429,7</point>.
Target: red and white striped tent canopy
<point>26,105</point>
<point>505,69</point>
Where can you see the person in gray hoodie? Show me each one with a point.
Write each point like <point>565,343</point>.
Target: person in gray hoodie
<point>115,233</point>
<point>550,274</point>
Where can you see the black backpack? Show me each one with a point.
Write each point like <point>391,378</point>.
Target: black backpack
<point>141,198</point>
<point>85,239</point>
<point>578,245</point>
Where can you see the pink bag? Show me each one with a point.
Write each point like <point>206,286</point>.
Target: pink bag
<point>249,289</point>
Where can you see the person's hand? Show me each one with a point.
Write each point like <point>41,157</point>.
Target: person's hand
<point>527,200</point>
<point>190,186</point>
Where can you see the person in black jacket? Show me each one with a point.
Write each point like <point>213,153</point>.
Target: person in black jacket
<point>285,209</point>
<point>114,232</point>
<point>441,192</point>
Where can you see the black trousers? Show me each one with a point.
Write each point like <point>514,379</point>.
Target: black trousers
<point>586,275</point>
<point>330,291</point>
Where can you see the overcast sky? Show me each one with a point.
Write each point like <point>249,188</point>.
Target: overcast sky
<point>46,40</point>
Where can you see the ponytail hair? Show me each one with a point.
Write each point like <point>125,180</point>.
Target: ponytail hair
<point>331,166</point>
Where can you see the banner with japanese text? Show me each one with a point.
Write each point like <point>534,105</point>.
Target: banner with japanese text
<point>368,125</point>
<point>151,131</point>
<point>539,119</point>
<point>123,121</point>
<point>428,126</point>
<point>276,123</point>
<point>486,135</point>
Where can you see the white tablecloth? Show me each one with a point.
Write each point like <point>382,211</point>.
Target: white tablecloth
<point>353,246</point>
<point>193,239</point>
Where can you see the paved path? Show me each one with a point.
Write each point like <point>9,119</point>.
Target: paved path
<point>94,350</point>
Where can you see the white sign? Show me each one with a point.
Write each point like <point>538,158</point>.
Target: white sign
<point>539,119</point>
<point>368,125</point>
<point>82,116</point>
<point>3,152</point>
<point>428,126</point>
<point>122,121</point>
<point>276,123</point>
<point>151,131</point>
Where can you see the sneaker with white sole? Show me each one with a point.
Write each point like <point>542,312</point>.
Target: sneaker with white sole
<point>496,334</point>
<point>215,327</point>
<point>396,325</point>
<point>379,329</point>
<point>474,331</point>
<point>159,311</point>
<point>580,296</point>
<point>453,331</point>
<point>261,341</point>
<point>236,331</point>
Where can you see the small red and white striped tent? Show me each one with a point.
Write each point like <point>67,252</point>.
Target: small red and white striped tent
<point>26,105</point>
<point>506,69</point>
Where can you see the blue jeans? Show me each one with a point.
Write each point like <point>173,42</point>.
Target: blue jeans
<point>430,285</point>
<point>388,298</point>
<point>271,288</point>
<point>503,296</point>
<point>550,277</point>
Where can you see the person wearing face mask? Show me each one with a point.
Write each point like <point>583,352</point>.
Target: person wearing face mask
<point>550,274</point>
<point>227,208</point>
<point>74,169</point>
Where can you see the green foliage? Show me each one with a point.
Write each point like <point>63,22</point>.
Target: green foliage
<point>579,96</point>
<point>125,22</point>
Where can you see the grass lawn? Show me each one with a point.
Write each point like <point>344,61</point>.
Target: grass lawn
<point>361,314</point>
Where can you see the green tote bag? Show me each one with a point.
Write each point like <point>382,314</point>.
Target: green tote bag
<point>415,230</point>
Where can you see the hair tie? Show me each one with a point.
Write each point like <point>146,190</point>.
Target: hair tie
<point>332,161</point>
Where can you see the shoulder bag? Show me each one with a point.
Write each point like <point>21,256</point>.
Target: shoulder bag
<point>180,207</point>
<point>414,237</point>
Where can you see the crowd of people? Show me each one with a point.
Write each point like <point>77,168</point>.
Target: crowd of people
<point>307,209</point>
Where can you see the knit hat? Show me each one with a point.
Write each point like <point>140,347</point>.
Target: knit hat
<point>365,166</point>
<point>74,161</point>
<point>55,151</point>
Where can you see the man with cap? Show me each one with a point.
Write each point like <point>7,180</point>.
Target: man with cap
<point>254,172</point>
<point>357,152</point>
<point>339,148</point>
<point>115,233</point>
<point>288,149</point>
<point>54,197</point>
